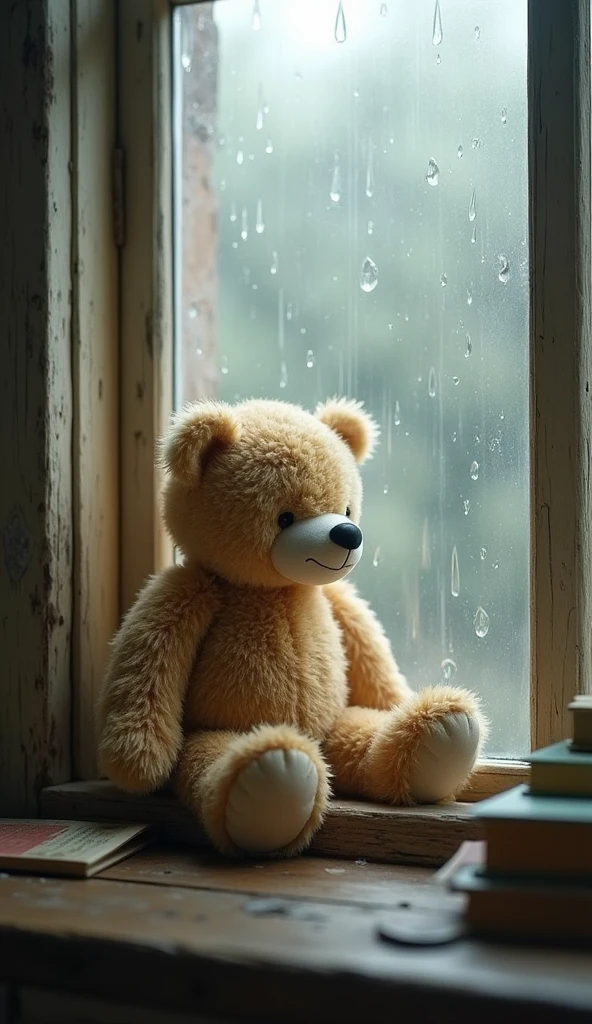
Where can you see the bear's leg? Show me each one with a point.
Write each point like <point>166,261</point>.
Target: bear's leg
<point>420,752</point>
<point>264,791</point>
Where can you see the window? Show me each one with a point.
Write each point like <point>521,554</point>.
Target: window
<point>352,218</point>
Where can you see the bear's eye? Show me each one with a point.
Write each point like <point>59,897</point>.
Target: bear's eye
<point>348,511</point>
<point>285,519</point>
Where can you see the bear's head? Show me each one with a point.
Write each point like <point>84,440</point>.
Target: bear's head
<point>266,494</point>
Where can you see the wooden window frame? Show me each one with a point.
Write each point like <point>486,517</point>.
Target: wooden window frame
<point>90,337</point>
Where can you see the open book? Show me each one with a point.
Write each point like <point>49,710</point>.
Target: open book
<point>77,848</point>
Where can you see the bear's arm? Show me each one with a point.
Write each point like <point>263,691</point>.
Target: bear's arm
<point>141,702</point>
<point>373,675</point>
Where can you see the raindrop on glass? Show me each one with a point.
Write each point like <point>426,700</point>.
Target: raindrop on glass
<point>335,190</point>
<point>466,506</point>
<point>448,669</point>
<point>310,359</point>
<point>240,156</point>
<point>433,172</point>
<point>432,382</point>
<point>370,174</point>
<point>481,622</point>
<point>274,263</point>
<point>368,275</point>
<point>377,558</point>
<point>456,381</point>
<point>474,234</point>
<point>473,206</point>
<point>269,146</point>
<point>474,470</point>
<point>370,226</point>
<point>340,31</point>
<point>244,225</point>
<point>283,374</point>
<point>460,152</point>
<point>385,489</point>
<point>437,33</point>
<point>397,414</point>
<point>259,121</point>
<point>477,32</point>
<point>259,223</point>
<point>469,298</point>
<point>444,280</point>
<point>454,574</point>
<point>438,59</point>
<point>193,310</point>
<point>186,45</point>
<point>224,366</point>
<point>289,311</point>
<point>256,19</point>
<point>504,115</point>
<point>383,10</point>
<point>483,554</point>
<point>468,346</point>
<point>504,269</point>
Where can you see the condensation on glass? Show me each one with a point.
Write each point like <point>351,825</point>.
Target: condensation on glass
<point>351,208</point>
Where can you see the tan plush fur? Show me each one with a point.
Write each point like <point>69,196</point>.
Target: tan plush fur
<point>222,659</point>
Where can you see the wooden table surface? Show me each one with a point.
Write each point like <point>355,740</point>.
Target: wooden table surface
<point>180,932</point>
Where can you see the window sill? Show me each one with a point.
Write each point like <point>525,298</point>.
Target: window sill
<point>352,829</point>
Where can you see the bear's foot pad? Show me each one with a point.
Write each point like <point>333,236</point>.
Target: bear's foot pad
<point>444,757</point>
<point>271,800</point>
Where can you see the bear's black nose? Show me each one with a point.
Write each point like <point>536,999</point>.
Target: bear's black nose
<point>347,535</point>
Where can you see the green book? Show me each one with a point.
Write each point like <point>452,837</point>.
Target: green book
<point>561,770</point>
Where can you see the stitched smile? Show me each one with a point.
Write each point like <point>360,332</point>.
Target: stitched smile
<point>330,567</point>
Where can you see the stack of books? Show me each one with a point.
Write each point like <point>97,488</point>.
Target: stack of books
<point>535,876</point>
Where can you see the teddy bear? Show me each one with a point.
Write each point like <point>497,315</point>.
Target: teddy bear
<point>250,676</point>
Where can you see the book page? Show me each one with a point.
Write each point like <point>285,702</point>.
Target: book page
<point>82,841</point>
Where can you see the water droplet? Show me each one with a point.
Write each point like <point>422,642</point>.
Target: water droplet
<point>432,383</point>
<point>269,146</point>
<point>370,174</point>
<point>481,622</point>
<point>310,359</point>
<point>368,275</point>
<point>437,33</point>
<point>240,156</point>
<point>193,310</point>
<point>383,10</point>
<point>397,414</point>
<point>259,223</point>
<point>335,190</point>
<point>483,554</point>
<point>474,234</point>
<point>454,436</point>
<point>469,346</point>
<point>438,59</point>
<point>448,669</point>
<point>460,152</point>
<point>233,212</point>
<point>244,225</point>
<point>456,381</point>
<point>433,172</point>
<point>385,489</point>
<point>444,280</point>
<point>259,120</point>
<point>256,19</point>
<point>504,115</point>
<point>476,143</point>
<point>474,470</point>
<point>454,574</point>
<point>274,263</point>
<point>224,366</point>
<point>340,26</point>
<point>466,506</point>
<point>283,374</point>
<point>477,32</point>
<point>377,558</point>
<point>504,269</point>
<point>235,245</point>
<point>495,565</point>
<point>370,226</point>
<point>186,45</point>
<point>473,206</point>
<point>469,298</point>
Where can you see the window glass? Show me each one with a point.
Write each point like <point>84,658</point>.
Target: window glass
<point>351,219</point>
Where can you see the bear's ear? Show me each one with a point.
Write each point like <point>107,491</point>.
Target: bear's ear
<point>194,436</point>
<point>348,419</point>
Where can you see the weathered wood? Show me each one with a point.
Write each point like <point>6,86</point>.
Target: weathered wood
<point>352,829</point>
<point>36,403</point>
<point>221,953</point>
<point>95,352</point>
<point>146,283</point>
<point>559,145</point>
